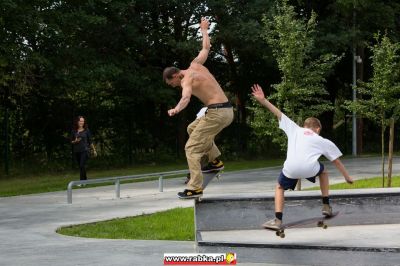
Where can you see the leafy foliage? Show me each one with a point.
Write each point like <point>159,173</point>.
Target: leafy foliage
<point>104,59</point>
<point>301,92</point>
<point>380,96</point>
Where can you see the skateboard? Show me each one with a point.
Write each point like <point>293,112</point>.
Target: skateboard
<point>207,177</point>
<point>320,222</point>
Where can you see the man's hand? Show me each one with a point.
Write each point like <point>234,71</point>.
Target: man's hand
<point>204,24</point>
<point>172,112</point>
<point>206,45</point>
<point>258,93</point>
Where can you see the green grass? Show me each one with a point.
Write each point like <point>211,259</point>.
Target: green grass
<point>375,182</point>
<point>24,184</point>
<point>175,224</point>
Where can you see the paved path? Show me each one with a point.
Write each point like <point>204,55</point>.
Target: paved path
<point>28,223</point>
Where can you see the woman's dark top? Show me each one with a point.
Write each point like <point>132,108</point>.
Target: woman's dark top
<point>85,142</point>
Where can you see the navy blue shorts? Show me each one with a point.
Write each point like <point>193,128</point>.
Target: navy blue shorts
<point>290,183</point>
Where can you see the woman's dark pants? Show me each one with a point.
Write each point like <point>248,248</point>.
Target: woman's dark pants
<point>81,158</point>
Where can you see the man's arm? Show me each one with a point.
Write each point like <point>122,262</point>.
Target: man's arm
<point>202,57</point>
<point>343,170</point>
<point>186,94</point>
<point>259,96</point>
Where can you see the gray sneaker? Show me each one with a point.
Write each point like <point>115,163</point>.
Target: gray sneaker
<point>274,224</point>
<point>327,210</point>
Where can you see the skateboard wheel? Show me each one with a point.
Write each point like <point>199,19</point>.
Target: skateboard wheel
<point>282,235</point>
<point>277,233</point>
<point>325,226</point>
<point>320,223</point>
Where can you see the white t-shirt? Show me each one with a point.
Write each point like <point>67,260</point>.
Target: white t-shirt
<point>304,149</point>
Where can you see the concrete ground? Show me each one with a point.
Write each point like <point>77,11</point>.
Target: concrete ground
<point>28,223</point>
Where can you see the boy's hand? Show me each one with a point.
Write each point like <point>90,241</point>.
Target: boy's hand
<point>259,96</point>
<point>258,93</point>
<point>349,180</point>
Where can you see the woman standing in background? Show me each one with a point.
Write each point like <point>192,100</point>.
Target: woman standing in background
<point>81,140</point>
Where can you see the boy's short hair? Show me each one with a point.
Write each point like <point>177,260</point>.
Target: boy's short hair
<point>312,122</point>
<point>169,72</point>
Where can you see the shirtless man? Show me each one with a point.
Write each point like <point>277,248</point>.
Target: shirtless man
<point>198,81</point>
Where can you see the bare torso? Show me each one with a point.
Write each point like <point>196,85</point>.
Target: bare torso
<point>204,85</point>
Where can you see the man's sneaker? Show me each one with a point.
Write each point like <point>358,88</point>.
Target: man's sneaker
<point>274,224</point>
<point>327,210</point>
<point>216,165</point>
<point>187,178</point>
<point>189,194</point>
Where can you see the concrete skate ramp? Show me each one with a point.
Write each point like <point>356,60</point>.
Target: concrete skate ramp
<point>366,231</point>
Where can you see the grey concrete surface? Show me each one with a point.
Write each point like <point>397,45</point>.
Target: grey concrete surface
<point>362,237</point>
<point>28,223</point>
<point>365,231</point>
<point>356,207</point>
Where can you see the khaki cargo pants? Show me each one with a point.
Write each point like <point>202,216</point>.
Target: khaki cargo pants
<point>201,144</point>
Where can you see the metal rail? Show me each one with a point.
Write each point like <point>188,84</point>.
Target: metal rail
<point>117,181</point>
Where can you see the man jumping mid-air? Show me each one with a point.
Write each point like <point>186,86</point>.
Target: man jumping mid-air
<point>198,81</point>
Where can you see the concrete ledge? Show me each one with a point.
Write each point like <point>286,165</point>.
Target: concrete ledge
<point>367,226</point>
<point>305,194</point>
<point>239,212</point>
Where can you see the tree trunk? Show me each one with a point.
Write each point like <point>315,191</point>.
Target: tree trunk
<point>240,98</point>
<point>6,142</point>
<point>182,134</point>
<point>390,159</point>
<point>383,150</point>
<point>298,186</point>
<point>360,77</point>
<point>130,140</point>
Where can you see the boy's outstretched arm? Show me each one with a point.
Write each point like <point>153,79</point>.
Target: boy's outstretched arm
<point>343,170</point>
<point>259,96</point>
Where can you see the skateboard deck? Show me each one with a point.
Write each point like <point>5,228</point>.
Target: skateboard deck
<point>319,220</point>
<point>207,177</point>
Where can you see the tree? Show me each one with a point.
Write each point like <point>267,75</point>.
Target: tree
<point>301,92</point>
<point>345,25</point>
<point>380,101</point>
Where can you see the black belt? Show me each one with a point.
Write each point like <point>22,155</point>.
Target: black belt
<point>219,105</point>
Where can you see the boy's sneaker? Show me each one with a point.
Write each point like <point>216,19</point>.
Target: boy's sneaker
<point>216,165</point>
<point>327,210</point>
<point>189,194</point>
<point>274,224</point>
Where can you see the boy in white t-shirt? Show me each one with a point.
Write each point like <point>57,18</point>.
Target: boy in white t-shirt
<point>305,146</point>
